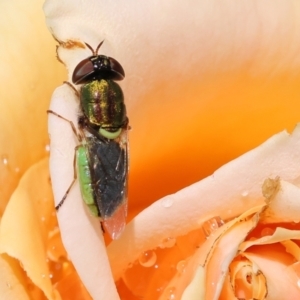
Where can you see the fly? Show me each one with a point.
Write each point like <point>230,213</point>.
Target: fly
<point>102,154</point>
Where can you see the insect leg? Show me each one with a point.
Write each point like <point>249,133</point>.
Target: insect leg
<point>79,137</point>
<point>72,87</point>
<point>49,111</point>
<point>73,181</point>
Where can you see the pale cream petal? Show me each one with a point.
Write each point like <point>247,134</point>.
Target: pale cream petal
<point>284,203</point>
<point>81,233</point>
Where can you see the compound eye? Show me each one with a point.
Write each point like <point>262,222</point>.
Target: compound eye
<point>82,70</point>
<point>117,69</point>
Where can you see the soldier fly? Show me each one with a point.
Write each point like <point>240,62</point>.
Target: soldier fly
<point>102,154</point>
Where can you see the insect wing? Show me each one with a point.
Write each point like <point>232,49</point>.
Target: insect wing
<point>109,173</point>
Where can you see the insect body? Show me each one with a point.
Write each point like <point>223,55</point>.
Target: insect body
<point>102,156</point>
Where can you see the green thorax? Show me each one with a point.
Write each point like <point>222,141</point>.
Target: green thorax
<point>102,102</point>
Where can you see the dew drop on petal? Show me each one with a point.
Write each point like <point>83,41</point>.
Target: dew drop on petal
<point>245,194</point>
<point>180,267</point>
<point>267,231</point>
<point>168,242</point>
<point>212,225</point>
<point>58,266</point>
<point>47,148</point>
<point>171,293</point>
<point>167,202</point>
<point>4,160</point>
<point>147,259</point>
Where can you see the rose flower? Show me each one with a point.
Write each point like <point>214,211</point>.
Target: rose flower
<point>204,84</point>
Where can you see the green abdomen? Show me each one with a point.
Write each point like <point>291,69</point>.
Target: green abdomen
<point>85,182</point>
<point>103,104</point>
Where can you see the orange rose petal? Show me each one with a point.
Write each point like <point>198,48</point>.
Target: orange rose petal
<point>22,231</point>
<point>227,292</point>
<point>196,289</point>
<point>230,191</point>
<point>246,280</point>
<point>292,248</point>
<point>29,73</point>
<point>184,211</point>
<point>10,285</point>
<point>279,283</point>
<point>224,253</point>
<point>203,268</point>
<point>280,234</point>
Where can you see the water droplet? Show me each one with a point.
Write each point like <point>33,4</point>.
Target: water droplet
<point>4,159</point>
<point>267,231</point>
<point>167,243</point>
<point>212,225</point>
<point>298,283</point>
<point>245,194</point>
<point>180,267</point>
<point>50,275</point>
<point>43,276</point>
<point>171,293</point>
<point>21,265</point>
<point>167,202</point>
<point>47,148</point>
<point>147,259</point>
<point>8,285</point>
<point>57,266</point>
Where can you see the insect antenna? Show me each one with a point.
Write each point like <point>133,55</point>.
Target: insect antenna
<point>95,52</point>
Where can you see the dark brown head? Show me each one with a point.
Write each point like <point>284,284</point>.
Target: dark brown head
<point>97,67</point>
